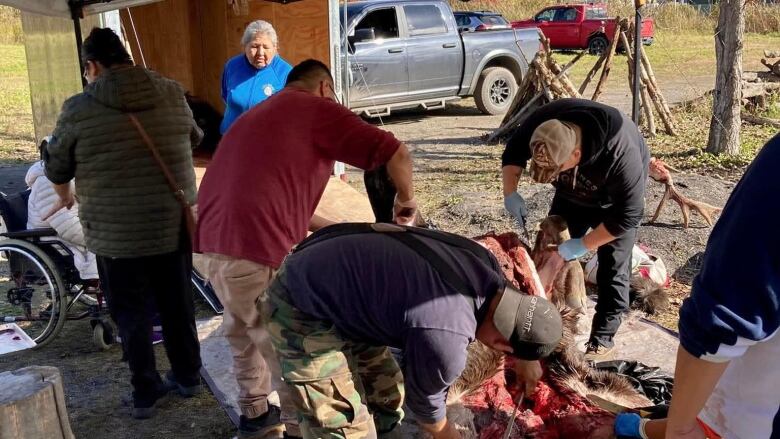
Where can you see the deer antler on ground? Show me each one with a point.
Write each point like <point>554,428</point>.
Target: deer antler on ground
<point>660,173</point>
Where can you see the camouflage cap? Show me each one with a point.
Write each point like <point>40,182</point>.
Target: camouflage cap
<point>552,144</point>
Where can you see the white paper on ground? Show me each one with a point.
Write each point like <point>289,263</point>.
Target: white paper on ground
<point>13,338</point>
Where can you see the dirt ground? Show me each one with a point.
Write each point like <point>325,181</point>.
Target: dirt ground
<point>458,185</point>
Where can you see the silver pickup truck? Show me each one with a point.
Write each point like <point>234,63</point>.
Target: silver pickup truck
<point>409,53</point>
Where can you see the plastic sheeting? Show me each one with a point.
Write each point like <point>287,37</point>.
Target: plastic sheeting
<point>655,384</point>
<point>59,8</point>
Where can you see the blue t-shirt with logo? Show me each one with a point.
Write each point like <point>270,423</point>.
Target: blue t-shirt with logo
<point>244,86</point>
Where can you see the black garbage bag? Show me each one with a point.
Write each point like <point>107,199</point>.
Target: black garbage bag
<point>655,384</point>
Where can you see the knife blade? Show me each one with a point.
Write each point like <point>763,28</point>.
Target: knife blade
<point>518,403</point>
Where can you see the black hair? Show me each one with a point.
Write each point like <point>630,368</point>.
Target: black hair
<point>308,71</point>
<point>104,46</point>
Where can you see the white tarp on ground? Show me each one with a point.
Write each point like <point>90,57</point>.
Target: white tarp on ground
<point>59,8</point>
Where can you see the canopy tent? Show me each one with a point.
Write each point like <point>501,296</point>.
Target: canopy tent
<point>62,8</point>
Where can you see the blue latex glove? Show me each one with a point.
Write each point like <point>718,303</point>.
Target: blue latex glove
<point>572,249</point>
<point>627,425</point>
<point>515,205</point>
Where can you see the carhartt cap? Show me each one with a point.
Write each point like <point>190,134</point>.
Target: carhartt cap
<point>532,324</point>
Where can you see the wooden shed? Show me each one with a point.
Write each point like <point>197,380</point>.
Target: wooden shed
<point>187,40</point>
<point>191,40</point>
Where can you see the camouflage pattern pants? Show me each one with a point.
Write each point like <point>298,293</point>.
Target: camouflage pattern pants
<point>342,389</point>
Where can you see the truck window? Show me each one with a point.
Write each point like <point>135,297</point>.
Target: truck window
<point>383,21</point>
<point>425,20</point>
<point>494,19</point>
<point>462,19</point>
<point>566,14</point>
<point>546,15</point>
<point>595,13</point>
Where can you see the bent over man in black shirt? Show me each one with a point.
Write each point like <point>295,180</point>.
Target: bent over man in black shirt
<point>598,162</point>
<point>350,290</point>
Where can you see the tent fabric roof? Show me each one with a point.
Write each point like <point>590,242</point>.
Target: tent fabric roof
<point>59,8</point>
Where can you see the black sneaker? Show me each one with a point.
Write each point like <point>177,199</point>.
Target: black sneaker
<point>143,406</point>
<point>186,391</point>
<point>266,426</point>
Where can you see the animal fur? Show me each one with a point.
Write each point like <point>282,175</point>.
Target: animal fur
<point>568,285</point>
<point>647,296</point>
<point>566,369</point>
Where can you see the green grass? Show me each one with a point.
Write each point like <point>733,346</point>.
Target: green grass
<point>10,26</point>
<point>17,138</point>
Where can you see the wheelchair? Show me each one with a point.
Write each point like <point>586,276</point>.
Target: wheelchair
<point>40,287</point>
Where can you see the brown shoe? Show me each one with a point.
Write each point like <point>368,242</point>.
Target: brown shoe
<point>596,353</point>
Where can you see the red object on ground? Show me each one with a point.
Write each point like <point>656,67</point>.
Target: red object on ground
<point>553,412</point>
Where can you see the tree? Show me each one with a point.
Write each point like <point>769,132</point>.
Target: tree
<point>727,97</point>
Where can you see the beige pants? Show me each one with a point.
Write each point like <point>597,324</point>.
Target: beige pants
<point>239,284</point>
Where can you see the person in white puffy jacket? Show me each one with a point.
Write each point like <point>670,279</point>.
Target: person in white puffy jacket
<point>64,221</point>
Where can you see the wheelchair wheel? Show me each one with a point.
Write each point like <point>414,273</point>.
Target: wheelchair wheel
<point>31,291</point>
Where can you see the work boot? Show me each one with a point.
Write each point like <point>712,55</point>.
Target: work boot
<point>266,426</point>
<point>187,390</point>
<point>596,353</point>
<point>144,406</point>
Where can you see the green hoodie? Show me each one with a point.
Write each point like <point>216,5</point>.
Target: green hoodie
<point>126,207</point>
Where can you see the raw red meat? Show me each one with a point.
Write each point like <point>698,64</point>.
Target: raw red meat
<point>515,261</point>
<point>554,412</point>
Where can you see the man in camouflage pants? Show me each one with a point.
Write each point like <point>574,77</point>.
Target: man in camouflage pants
<point>350,290</point>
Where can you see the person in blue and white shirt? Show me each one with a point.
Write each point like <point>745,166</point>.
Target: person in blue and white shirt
<point>728,363</point>
<point>255,75</point>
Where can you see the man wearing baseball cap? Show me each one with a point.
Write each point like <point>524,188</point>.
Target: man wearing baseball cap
<point>598,162</point>
<point>350,291</point>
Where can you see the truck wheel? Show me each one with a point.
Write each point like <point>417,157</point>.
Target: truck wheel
<point>496,89</point>
<point>597,45</point>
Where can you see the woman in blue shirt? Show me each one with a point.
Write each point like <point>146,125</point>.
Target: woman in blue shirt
<point>253,76</point>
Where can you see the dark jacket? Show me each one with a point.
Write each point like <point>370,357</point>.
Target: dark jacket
<point>126,207</point>
<point>735,299</point>
<point>612,173</point>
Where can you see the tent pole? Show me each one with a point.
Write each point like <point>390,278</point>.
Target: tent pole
<point>75,13</point>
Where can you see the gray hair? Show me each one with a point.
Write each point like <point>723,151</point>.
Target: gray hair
<point>259,27</point>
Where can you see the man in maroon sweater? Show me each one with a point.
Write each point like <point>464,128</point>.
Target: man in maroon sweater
<point>257,200</point>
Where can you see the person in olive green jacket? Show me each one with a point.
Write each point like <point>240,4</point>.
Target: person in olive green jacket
<point>130,217</point>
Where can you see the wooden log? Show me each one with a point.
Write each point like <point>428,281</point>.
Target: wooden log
<point>773,67</point>
<point>592,72</point>
<point>608,62</point>
<point>32,404</point>
<point>651,77</point>
<point>759,120</point>
<point>666,117</point>
<point>548,77</point>
<point>648,111</point>
<point>534,102</point>
<point>522,91</point>
<point>750,76</point>
<point>753,89</point>
<point>565,81</point>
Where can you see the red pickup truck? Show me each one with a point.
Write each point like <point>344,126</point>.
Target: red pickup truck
<point>580,26</point>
